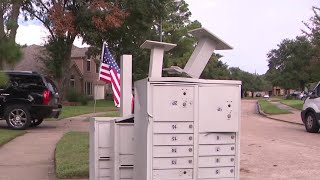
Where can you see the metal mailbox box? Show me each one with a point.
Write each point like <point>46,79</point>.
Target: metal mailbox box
<point>186,129</point>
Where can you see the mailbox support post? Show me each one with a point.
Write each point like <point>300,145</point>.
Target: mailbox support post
<point>208,42</point>
<point>126,85</point>
<point>156,56</point>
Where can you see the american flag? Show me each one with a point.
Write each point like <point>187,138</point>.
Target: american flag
<point>110,73</point>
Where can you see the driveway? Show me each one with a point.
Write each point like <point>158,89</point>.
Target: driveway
<point>276,150</point>
<point>31,156</point>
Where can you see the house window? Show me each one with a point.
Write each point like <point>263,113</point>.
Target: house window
<point>72,82</point>
<point>88,88</point>
<point>88,65</point>
<point>97,68</point>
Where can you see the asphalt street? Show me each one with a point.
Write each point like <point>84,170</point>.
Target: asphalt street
<point>276,150</point>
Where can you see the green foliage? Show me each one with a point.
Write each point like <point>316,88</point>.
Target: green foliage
<point>10,52</point>
<point>72,155</point>
<point>72,95</point>
<point>289,64</point>
<point>83,100</point>
<point>3,80</point>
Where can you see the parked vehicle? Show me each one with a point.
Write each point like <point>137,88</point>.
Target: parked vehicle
<point>310,113</point>
<point>266,96</point>
<point>27,99</point>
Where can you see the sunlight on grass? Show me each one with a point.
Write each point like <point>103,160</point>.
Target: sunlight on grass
<point>297,104</point>
<point>269,108</point>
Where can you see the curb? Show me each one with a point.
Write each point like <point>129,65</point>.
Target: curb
<point>281,120</point>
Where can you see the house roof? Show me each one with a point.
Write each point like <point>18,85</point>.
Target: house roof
<point>30,61</point>
<point>78,52</point>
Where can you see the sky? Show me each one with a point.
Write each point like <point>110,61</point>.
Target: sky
<point>251,27</point>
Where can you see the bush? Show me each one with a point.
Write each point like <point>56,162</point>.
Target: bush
<point>72,95</point>
<point>83,100</point>
<point>289,97</point>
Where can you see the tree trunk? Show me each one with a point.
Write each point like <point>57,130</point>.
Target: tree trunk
<point>2,34</point>
<point>16,4</point>
<point>63,81</point>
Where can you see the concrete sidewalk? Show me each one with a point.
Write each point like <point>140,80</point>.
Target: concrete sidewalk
<point>294,117</point>
<point>31,156</point>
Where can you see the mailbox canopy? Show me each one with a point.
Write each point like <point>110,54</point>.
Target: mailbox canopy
<point>204,33</point>
<point>207,43</point>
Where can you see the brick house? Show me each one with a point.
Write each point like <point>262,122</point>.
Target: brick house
<point>84,71</point>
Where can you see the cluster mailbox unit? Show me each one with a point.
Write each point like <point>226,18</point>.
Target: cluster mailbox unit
<point>184,128</point>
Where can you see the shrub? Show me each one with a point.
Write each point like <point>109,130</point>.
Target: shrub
<point>83,100</point>
<point>72,95</point>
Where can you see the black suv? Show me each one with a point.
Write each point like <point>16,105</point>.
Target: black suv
<point>27,99</point>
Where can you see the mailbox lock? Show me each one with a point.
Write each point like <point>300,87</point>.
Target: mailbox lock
<point>217,171</point>
<point>190,126</point>
<point>217,149</point>
<point>231,170</point>
<point>232,159</point>
<point>232,148</point>
<point>190,138</point>
<point>184,172</point>
<point>184,104</point>
<point>218,137</point>
<point>190,161</point>
<point>190,149</point>
<point>229,105</point>
<point>217,160</point>
<point>184,93</point>
<point>232,137</point>
<point>229,116</point>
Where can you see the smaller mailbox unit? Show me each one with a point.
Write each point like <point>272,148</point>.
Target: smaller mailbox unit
<point>187,128</point>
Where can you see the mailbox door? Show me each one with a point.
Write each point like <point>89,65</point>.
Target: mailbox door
<point>126,139</point>
<point>173,103</point>
<point>219,108</point>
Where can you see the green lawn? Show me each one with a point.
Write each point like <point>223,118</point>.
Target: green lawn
<point>72,156</point>
<point>293,103</point>
<point>8,135</point>
<point>269,108</point>
<point>101,106</point>
<point>110,114</point>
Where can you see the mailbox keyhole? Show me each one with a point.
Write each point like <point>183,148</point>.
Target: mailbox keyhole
<point>184,172</point>
<point>229,105</point>
<point>184,93</point>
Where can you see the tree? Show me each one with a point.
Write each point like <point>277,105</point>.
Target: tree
<point>67,19</point>
<point>313,34</point>
<point>9,51</point>
<point>289,64</point>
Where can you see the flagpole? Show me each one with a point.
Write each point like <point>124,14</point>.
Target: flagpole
<point>95,88</point>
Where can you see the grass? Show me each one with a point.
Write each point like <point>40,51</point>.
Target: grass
<point>297,104</point>
<point>110,114</point>
<point>72,155</point>
<point>101,106</point>
<point>269,108</point>
<point>8,135</point>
